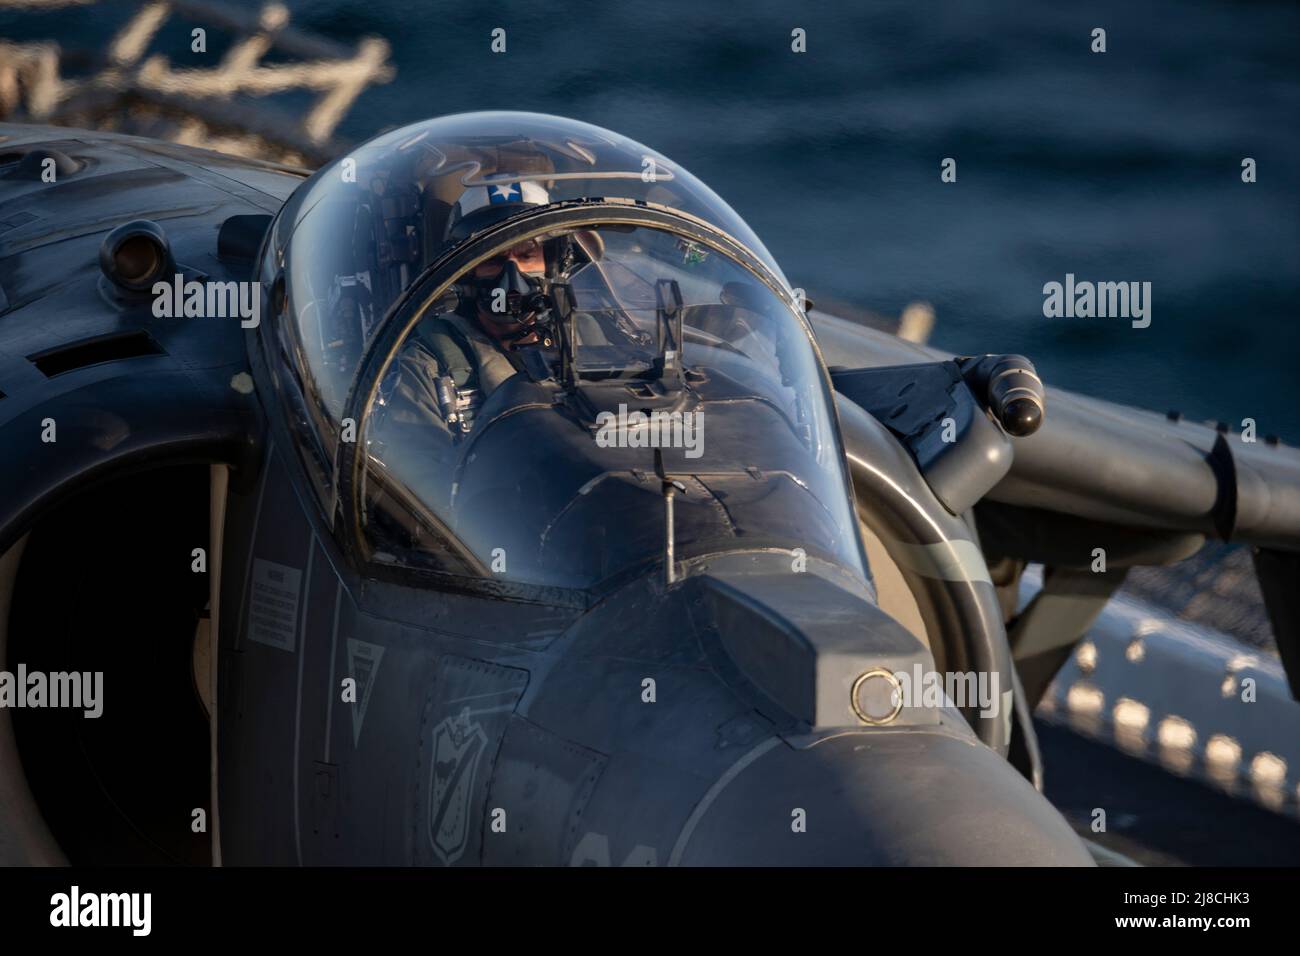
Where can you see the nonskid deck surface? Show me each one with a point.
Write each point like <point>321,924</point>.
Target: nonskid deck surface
<point>1216,588</point>
<point>1154,816</point>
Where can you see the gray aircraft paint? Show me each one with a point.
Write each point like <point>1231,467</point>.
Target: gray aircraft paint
<point>576,752</point>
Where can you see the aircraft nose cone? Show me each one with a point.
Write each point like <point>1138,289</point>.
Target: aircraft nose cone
<point>877,798</point>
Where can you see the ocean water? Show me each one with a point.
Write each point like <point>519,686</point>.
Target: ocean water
<point>1122,166</point>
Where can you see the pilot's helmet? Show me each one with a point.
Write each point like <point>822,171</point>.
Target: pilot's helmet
<point>483,206</point>
<point>509,288</point>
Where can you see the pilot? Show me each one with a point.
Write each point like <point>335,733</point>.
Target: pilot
<point>457,358</point>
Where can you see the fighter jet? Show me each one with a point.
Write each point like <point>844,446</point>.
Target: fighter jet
<point>491,497</point>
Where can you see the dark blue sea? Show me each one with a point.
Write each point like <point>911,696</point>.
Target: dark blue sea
<point>1122,166</point>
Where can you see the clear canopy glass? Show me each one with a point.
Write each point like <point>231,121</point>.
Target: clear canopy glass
<point>526,423</point>
<point>356,235</point>
<point>536,448</point>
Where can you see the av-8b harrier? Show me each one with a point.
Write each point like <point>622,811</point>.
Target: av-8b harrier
<point>491,497</point>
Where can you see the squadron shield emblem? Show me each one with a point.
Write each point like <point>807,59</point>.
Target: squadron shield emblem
<point>466,711</point>
<point>458,743</point>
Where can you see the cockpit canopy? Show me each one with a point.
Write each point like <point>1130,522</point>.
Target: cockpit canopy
<point>361,230</point>
<point>502,336</point>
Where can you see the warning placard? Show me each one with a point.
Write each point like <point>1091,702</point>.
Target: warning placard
<point>273,604</point>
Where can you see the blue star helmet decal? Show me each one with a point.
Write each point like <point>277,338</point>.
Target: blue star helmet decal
<point>482,204</point>
<point>506,192</point>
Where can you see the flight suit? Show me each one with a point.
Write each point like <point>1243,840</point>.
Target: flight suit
<point>448,344</point>
<point>409,433</point>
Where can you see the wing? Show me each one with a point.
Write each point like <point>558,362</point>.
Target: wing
<point>1145,488</point>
